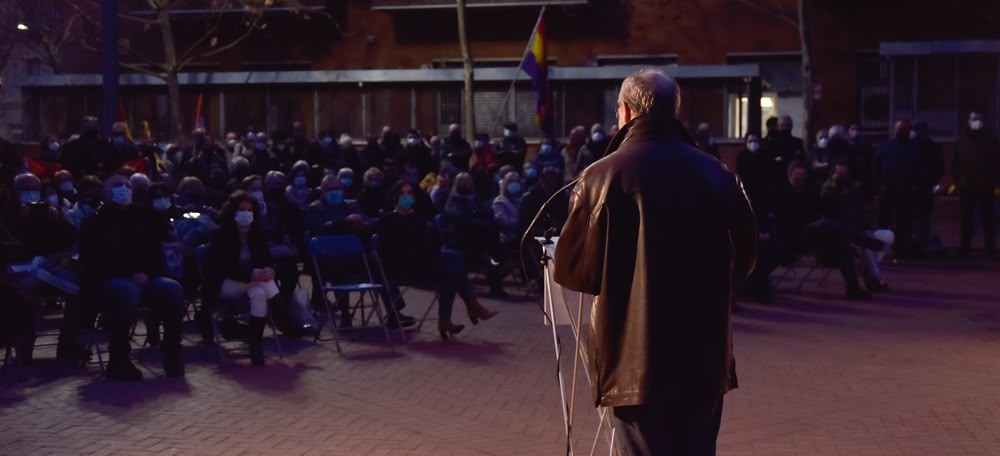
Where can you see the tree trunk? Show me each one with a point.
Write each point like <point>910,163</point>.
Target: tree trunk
<point>171,67</point>
<point>808,89</point>
<point>470,115</point>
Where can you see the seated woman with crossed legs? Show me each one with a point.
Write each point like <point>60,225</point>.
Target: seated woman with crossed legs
<point>412,252</point>
<point>241,265</point>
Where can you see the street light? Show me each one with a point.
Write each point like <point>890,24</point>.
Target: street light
<point>22,27</point>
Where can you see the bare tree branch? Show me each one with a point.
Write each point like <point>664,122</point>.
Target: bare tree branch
<point>143,69</point>
<point>225,47</point>
<point>771,12</point>
<point>208,33</point>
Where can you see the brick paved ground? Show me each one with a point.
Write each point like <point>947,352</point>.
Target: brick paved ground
<point>912,373</point>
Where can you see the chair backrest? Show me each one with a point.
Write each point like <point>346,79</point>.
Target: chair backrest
<point>339,252</point>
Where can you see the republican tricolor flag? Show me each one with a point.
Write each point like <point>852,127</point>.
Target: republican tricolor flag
<point>536,65</point>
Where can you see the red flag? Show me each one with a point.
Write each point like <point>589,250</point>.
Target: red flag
<point>199,117</point>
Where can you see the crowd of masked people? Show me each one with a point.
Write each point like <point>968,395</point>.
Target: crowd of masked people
<point>120,230</point>
<point>847,202</point>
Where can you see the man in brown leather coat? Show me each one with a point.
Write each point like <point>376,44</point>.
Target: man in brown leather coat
<point>659,231</point>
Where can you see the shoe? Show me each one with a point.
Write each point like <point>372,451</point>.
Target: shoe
<point>406,319</point>
<point>858,295</point>
<point>72,352</point>
<point>476,310</point>
<point>172,363</point>
<point>123,371</point>
<point>876,284</point>
<point>446,328</point>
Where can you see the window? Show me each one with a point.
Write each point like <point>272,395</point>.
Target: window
<point>942,89</point>
<point>738,104</point>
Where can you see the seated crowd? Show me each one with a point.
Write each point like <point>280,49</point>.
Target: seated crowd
<point>118,229</point>
<point>121,228</point>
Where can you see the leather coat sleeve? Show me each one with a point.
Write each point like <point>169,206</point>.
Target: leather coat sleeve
<point>579,262</point>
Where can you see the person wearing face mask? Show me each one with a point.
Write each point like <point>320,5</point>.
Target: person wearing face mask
<point>373,196</point>
<point>240,267</point>
<point>263,159</point>
<point>896,170</point>
<point>411,253</point>
<point>530,174</point>
<point>89,200</point>
<point>140,188</point>
<point>819,158</point>
<point>332,214</point>
<point>469,228</point>
<point>506,216</point>
<point>423,204</point>
<point>63,181</point>
<point>754,167</point>
<point>484,157</point>
<point>234,147</point>
<point>123,149</point>
<point>298,192</point>
<point>86,155</point>
<point>417,152</point>
<point>442,188</point>
<point>49,149</point>
<point>513,148</point>
<point>40,232</point>
<point>548,156</point>
<point>122,264</point>
<point>456,149</point>
<point>346,176</point>
<point>976,170</point>
<point>593,149</point>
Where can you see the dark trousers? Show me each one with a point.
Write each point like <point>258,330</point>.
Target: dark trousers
<point>688,428</point>
<point>121,300</point>
<point>896,212</point>
<point>970,201</point>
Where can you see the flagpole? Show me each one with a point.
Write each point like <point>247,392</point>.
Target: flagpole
<point>520,65</point>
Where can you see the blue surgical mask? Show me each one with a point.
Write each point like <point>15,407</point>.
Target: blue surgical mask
<point>546,149</point>
<point>161,204</point>
<point>118,140</point>
<point>30,197</point>
<point>260,146</point>
<point>531,173</point>
<point>597,136</point>
<point>406,201</point>
<point>327,141</point>
<point>66,186</point>
<point>299,181</point>
<point>243,218</point>
<point>413,142</point>
<point>53,200</point>
<point>258,195</point>
<point>334,197</point>
<point>514,188</point>
<point>54,146</point>
<point>480,144</point>
<point>347,181</point>
<point>121,195</point>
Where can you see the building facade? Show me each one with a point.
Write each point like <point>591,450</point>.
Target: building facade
<point>355,65</point>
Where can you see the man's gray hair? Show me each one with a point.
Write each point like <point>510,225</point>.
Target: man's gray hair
<point>651,91</point>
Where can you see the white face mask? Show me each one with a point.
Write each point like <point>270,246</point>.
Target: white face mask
<point>54,147</point>
<point>508,132</point>
<point>753,146</point>
<point>822,143</point>
<point>913,134</point>
<point>976,124</point>
<point>244,218</point>
<point>597,136</point>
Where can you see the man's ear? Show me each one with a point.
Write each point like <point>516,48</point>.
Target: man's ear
<point>628,112</point>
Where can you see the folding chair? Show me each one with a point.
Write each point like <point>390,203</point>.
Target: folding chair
<point>228,305</point>
<point>345,252</point>
<point>403,287</point>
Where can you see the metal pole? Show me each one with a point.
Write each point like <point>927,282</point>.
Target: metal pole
<point>520,66</point>
<point>109,63</point>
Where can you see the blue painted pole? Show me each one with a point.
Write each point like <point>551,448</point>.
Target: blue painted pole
<point>109,64</point>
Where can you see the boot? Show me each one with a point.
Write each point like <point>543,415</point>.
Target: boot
<point>257,340</point>
<point>172,363</point>
<point>446,328</point>
<point>120,367</point>
<point>476,310</point>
